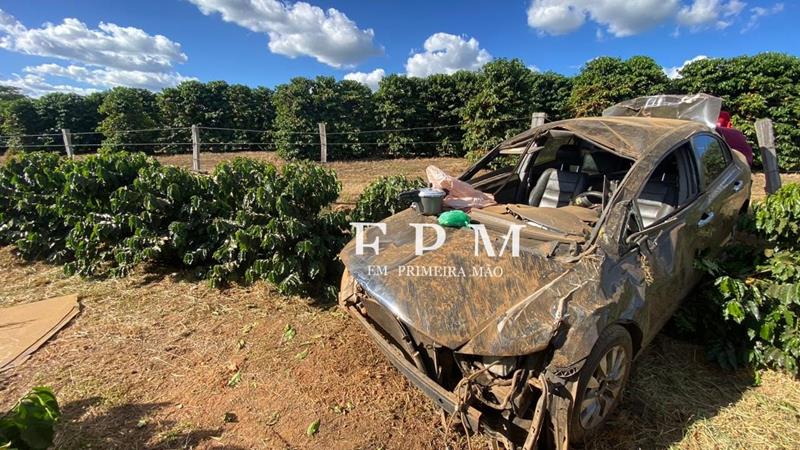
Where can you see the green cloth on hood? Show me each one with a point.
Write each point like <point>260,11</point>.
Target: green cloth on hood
<point>455,219</point>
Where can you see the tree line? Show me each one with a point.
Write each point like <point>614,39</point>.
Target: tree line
<point>441,115</point>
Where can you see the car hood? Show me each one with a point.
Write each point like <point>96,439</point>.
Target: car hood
<point>453,296</point>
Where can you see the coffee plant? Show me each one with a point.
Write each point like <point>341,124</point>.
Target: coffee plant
<point>279,229</point>
<point>30,423</point>
<point>778,217</point>
<point>44,196</point>
<point>108,213</point>
<point>380,199</point>
<point>750,308</point>
<point>30,185</point>
<point>136,226</point>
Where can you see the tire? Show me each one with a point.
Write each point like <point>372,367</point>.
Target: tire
<point>605,388</point>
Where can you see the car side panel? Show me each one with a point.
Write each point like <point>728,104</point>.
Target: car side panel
<point>667,259</point>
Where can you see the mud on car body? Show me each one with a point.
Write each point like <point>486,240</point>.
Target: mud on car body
<point>615,210</point>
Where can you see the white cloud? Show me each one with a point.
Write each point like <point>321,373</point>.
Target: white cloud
<point>758,13</point>
<point>299,29</point>
<point>556,17</point>
<point>36,86</point>
<point>108,56</point>
<point>9,24</point>
<point>371,79</point>
<point>447,53</point>
<point>443,53</point>
<point>675,72</point>
<point>108,77</point>
<point>620,17</point>
<point>704,13</point>
<point>111,45</point>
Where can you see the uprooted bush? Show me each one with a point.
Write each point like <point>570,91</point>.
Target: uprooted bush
<point>30,423</point>
<point>380,199</point>
<point>750,310</point>
<point>105,214</point>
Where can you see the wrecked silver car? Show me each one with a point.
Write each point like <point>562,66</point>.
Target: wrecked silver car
<point>534,346</point>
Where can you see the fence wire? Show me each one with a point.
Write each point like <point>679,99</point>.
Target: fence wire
<point>207,139</point>
<point>245,130</point>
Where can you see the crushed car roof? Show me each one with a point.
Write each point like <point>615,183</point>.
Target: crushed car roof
<point>631,137</point>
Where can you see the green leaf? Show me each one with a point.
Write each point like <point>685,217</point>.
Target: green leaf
<point>288,333</point>
<point>313,428</point>
<point>30,423</point>
<point>235,379</point>
<point>767,331</point>
<point>734,310</point>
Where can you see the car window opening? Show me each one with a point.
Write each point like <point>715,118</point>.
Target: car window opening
<point>558,184</point>
<point>672,185</point>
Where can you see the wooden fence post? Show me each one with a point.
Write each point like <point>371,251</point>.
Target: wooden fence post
<point>323,143</point>
<point>766,142</point>
<point>195,148</point>
<point>67,142</point>
<point>537,119</point>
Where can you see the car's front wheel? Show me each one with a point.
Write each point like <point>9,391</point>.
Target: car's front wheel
<point>601,382</point>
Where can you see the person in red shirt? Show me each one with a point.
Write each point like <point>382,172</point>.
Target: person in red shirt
<point>735,138</point>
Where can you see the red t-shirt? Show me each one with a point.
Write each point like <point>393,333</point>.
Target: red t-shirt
<point>737,141</point>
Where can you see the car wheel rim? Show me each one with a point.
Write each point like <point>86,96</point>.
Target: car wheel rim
<point>603,387</point>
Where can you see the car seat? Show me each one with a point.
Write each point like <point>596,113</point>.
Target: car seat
<point>658,199</point>
<point>557,187</point>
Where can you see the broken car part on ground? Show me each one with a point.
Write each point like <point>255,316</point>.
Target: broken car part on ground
<point>611,214</point>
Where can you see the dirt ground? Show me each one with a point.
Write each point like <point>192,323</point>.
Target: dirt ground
<point>149,362</point>
<point>159,361</point>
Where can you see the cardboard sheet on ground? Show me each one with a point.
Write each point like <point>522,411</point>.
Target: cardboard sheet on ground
<point>25,328</point>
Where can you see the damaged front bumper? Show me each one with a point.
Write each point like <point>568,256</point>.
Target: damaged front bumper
<point>444,398</point>
<point>545,428</point>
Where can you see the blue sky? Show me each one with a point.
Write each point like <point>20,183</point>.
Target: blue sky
<point>52,45</point>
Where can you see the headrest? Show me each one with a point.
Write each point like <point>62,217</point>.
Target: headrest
<point>569,155</point>
<point>599,162</point>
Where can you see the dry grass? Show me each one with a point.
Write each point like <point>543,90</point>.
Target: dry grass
<point>147,364</point>
<point>148,361</point>
<point>354,175</point>
<point>759,183</point>
<point>678,400</point>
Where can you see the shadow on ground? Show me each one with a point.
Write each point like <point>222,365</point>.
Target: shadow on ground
<point>672,387</point>
<point>87,423</point>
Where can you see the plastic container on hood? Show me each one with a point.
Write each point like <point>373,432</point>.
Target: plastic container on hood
<point>431,201</point>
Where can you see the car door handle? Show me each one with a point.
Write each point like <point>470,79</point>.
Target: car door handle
<point>738,185</point>
<point>706,219</point>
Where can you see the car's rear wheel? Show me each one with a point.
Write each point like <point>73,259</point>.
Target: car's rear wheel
<point>601,382</point>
